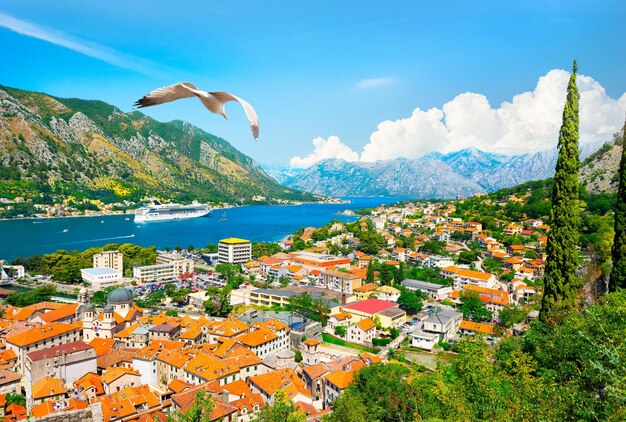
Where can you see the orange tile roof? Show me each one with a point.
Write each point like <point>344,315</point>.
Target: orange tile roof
<point>48,387</point>
<point>312,341</point>
<point>177,385</point>
<point>102,345</point>
<point>341,379</point>
<point>343,315</point>
<point>315,371</point>
<point>258,337</point>
<point>478,327</point>
<point>209,367</point>
<point>117,372</point>
<point>366,324</point>
<point>238,388</point>
<point>285,379</point>
<point>90,380</point>
<point>474,274</point>
<point>366,288</point>
<point>35,335</point>
<point>22,314</point>
<point>175,358</point>
<point>59,313</point>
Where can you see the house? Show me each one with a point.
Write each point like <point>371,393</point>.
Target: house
<point>472,328</point>
<point>66,362</point>
<point>433,290</point>
<point>443,322</point>
<point>340,318</point>
<point>463,277</point>
<point>47,388</point>
<point>387,293</point>
<point>343,282</point>
<point>335,383</point>
<point>284,379</point>
<point>365,291</point>
<point>513,229</point>
<point>515,249</point>
<point>423,340</point>
<point>119,378</point>
<point>362,332</point>
<point>387,312</point>
<point>53,334</point>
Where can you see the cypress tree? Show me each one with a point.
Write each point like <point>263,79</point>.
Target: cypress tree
<point>560,282</point>
<point>369,276</point>
<point>618,272</point>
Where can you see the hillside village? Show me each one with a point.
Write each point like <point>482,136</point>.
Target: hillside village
<point>296,323</point>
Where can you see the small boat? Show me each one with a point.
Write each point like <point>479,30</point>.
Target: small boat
<point>223,217</point>
<point>127,219</point>
<point>66,230</point>
<point>102,221</point>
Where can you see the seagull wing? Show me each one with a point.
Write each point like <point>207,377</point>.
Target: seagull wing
<point>167,94</point>
<point>224,97</point>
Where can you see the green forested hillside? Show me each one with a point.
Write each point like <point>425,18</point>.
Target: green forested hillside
<point>54,148</point>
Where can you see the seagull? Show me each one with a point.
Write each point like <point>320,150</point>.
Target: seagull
<point>214,101</point>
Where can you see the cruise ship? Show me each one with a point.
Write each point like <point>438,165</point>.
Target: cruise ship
<point>164,212</point>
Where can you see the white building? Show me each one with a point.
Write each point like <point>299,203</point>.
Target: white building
<point>433,290</point>
<point>109,259</point>
<point>163,271</point>
<point>11,272</point>
<point>443,322</point>
<point>424,340</point>
<point>100,278</point>
<point>234,251</point>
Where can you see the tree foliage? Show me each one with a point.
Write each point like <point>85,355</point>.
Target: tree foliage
<point>283,410</point>
<point>560,281</point>
<point>618,272</point>
<point>473,308</point>
<point>38,295</point>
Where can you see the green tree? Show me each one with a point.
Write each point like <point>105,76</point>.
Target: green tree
<point>473,308</point>
<point>511,315</point>
<point>283,410</point>
<point>38,295</point>
<point>199,411</point>
<point>409,301</point>
<point>382,392</point>
<point>561,283</point>
<point>218,303</point>
<point>618,253</point>
<point>340,331</point>
<point>369,276</point>
<point>15,398</point>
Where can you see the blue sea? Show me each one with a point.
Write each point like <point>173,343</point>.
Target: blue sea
<point>25,237</point>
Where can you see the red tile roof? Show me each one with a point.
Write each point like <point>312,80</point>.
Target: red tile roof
<point>370,306</point>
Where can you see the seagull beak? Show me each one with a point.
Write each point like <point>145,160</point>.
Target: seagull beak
<point>225,116</point>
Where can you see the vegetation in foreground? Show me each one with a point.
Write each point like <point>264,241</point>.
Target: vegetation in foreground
<point>573,371</point>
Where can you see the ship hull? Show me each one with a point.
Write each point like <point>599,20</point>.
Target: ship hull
<point>147,217</point>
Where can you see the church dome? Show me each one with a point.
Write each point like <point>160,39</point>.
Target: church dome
<point>120,295</point>
<point>108,308</point>
<point>89,307</point>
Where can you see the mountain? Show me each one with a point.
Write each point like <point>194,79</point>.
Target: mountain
<point>281,174</point>
<point>399,177</point>
<point>68,147</point>
<point>599,171</point>
<point>435,175</point>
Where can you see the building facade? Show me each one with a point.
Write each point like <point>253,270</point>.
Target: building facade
<point>234,251</point>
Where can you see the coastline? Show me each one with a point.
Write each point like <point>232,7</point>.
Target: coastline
<point>132,211</point>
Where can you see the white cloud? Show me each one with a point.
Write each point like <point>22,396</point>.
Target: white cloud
<point>86,48</point>
<point>529,122</point>
<point>373,83</point>
<point>323,149</point>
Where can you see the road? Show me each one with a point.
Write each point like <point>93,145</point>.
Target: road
<point>393,345</point>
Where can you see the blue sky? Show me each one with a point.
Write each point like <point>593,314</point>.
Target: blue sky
<point>324,68</point>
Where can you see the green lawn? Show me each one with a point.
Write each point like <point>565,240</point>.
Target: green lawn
<point>327,338</point>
